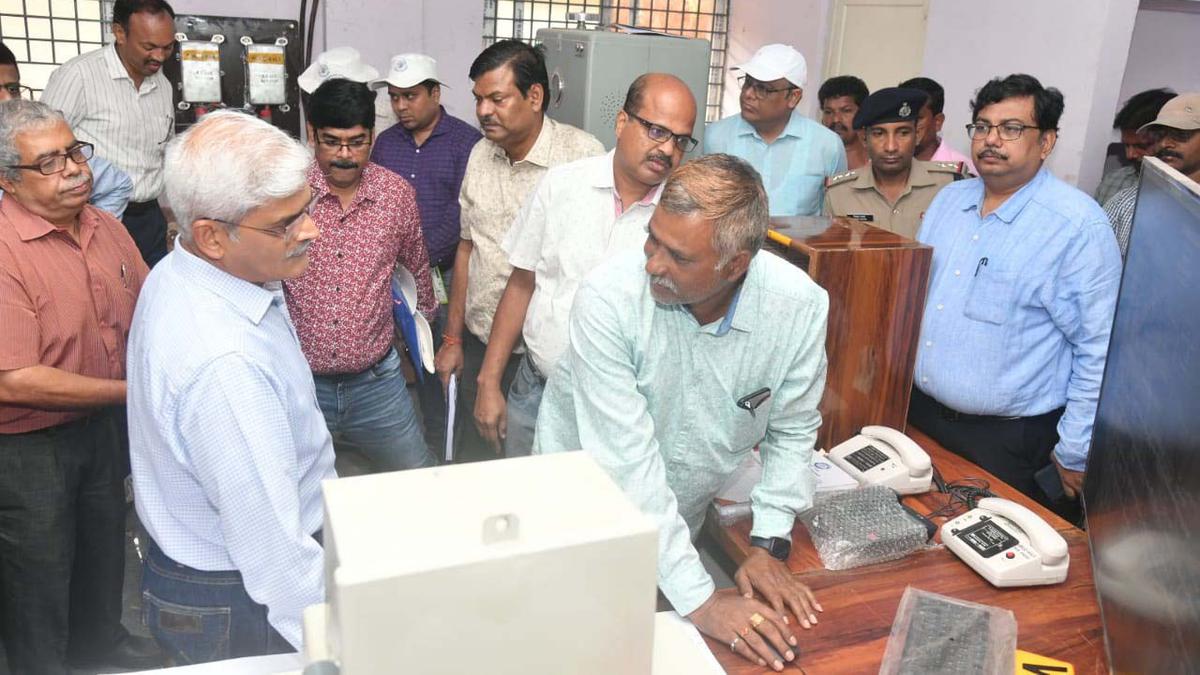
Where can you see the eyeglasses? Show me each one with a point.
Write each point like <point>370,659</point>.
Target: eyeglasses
<point>660,134</point>
<point>18,90</point>
<point>281,231</point>
<point>336,144</point>
<point>1009,131</point>
<point>758,89</point>
<point>79,153</point>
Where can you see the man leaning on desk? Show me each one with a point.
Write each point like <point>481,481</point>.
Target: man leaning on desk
<point>682,360</point>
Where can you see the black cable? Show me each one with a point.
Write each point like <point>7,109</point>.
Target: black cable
<point>312,28</point>
<point>301,33</point>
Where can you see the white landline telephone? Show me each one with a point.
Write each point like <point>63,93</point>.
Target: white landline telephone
<point>884,456</point>
<point>1008,544</point>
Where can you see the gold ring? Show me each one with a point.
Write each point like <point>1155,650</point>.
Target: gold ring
<point>745,631</point>
<point>756,619</point>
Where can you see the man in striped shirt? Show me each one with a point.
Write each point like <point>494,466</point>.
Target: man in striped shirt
<point>117,99</point>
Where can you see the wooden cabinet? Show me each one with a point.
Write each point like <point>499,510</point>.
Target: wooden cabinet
<point>876,282</point>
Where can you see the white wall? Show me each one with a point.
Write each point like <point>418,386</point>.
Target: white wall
<point>1165,52</point>
<point>1078,46</point>
<point>448,30</point>
<point>804,24</point>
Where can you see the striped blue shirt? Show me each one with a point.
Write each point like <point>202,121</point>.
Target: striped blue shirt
<point>227,443</point>
<point>1020,305</point>
<point>653,396</point>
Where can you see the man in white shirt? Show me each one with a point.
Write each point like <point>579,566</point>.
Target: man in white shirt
<point>579,216</point>
<point>117,99</point>
<point>227,441</point>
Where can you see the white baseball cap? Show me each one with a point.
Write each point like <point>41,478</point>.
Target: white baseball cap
<point>777,61</point>
<point>409,70</point>
<point>343,62</point>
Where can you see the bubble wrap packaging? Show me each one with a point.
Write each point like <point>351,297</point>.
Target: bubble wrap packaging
<point>863,527</point>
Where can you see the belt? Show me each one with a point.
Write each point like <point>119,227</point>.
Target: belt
<point>138,208</point>
<point>342,377</point>
<point>946,412</point>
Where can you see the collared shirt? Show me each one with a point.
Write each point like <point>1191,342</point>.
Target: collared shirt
<point>342,304</point>
<point>435,169</point>
<point>226,440</point>
<point>1119,209</point>
<point>566,228</point>
<point>945,153</point>
<point>128,126</point>
<point>653,395</point>
<point>493,190</point>
<point>111,187</point>
<point>854,194</point>
<point>64,304</point>
<point>793,167</point>
<point>1020,305</point>
<point>1115,181</point>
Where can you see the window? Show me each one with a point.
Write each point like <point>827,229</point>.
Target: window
<point>706,19</point>
<point>45,33</point>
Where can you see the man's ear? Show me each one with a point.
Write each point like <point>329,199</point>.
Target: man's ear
<point>938,120</point>
<point>7,185</point>
<point>1047,141</point>
<point>119,35</point>
<point>737,266</point>
<point>793,98</point>
<point>312,135</point>
<point>622,120</point>
<point>536,95</point>
<point>209,239</point>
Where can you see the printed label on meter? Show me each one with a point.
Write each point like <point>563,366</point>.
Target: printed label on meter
<point>200,70</point>
<point>266,74</point>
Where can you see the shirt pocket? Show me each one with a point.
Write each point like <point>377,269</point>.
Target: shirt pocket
<point>749,429</point>
<point>991,297</point>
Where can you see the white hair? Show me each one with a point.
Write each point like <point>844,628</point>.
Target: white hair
<point>229,164</point>
<point>16,117</point>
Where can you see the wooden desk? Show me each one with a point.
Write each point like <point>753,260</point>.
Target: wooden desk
<point>1060,621</point>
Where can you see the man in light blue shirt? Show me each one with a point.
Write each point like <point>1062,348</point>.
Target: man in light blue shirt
<point>793,154</point>
<point>680,361</point>
<point>227,442</point>
<point>1021,298</point>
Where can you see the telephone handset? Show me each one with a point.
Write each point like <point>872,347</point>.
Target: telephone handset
<point>1008,544</point>
<point>883,456</point>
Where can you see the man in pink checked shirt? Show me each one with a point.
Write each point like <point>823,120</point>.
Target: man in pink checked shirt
<point>342,305</point>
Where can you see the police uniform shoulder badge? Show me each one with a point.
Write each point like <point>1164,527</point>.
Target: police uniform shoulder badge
<point>840,178</point>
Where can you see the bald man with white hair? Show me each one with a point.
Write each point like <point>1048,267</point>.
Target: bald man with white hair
<point>227,442</point>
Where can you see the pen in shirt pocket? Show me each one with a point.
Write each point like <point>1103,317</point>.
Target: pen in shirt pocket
<point>982,263</point>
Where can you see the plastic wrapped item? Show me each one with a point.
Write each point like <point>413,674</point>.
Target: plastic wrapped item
<point>936,634</point>
<point>864,527</point>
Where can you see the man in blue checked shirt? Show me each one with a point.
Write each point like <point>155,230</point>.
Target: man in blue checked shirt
<point>681,359</point>
<point>1021,298</point>
<point>227,442</point>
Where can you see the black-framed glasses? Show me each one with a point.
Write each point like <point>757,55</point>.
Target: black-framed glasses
<point>79,153</point>
<point>758,89</point>
<point>18,90</point>
<point>280,231</point>
<point>660,134</point>
<point>336,144</point>
<point>1009,131</point>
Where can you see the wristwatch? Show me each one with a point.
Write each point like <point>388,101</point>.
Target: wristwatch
<point>778,547</point>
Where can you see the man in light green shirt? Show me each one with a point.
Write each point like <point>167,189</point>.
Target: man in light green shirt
<point>680,361</point>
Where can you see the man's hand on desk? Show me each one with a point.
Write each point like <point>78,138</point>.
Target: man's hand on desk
<point>772,578</point>
<point>1072,480</point>
<point>750,628</point>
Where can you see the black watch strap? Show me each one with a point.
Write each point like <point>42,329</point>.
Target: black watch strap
<point>778,547</point>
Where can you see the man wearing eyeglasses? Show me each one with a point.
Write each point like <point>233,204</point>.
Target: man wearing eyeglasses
<point>70,278</point>
<point>1174,137</point>
<point>342,305</point>
<point>227,441</point>
<point>580,215</point>
<point>1020,303</point>
<point>118,99</point>
<point>111,186</point>
<point>793,154</point>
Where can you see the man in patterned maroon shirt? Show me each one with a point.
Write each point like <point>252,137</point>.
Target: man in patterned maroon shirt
<point>342,305</point>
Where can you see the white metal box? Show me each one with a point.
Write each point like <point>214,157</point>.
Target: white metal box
<point>590,71</point>
<point>529,565</point>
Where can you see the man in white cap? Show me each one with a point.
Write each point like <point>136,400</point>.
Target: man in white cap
<point>429,149</point>
<point>346,63</point>
<point>793,154</point>
<point>1175,136</point>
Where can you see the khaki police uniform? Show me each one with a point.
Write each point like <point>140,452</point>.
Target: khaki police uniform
<point>853,194</point>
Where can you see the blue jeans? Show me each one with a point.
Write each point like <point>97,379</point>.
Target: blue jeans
<point>198,616</point>
<point>523,400</point>
<point>430,391</point>
<point>371,412</point>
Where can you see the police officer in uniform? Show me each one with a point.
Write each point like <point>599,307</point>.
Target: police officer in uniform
<point>893,190</point>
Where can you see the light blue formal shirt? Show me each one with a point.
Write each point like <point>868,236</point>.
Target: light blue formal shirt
<point>1020,305</point>
<point>653,395</point>
<point>111,186</point>
<point>227,443</point>
<point>793,167</point>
